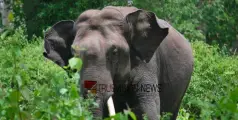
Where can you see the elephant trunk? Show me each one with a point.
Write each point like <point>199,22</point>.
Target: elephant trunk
<point>99,82</point>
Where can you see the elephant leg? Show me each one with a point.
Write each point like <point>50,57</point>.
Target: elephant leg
<point>148,105</point>
<point>171,96</point>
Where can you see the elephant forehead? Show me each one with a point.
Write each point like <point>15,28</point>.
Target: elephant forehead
<point>123,10</point>
<point>97,43</point>
<point>92,42</point>
<point>100,18</point>
<point>111,14</point>
<point>86,15</point>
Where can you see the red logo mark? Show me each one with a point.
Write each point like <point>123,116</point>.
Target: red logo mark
<point>90,86</point>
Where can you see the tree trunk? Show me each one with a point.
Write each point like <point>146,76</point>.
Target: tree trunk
<point>5,8</point>
<point>30,11</point>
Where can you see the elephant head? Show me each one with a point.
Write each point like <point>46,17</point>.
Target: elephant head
<point>115,39</point>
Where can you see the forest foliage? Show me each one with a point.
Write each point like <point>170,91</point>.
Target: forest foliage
<point>213,21</point>
<point>32,87</point>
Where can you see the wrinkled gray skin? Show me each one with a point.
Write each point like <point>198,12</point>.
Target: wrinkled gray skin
<point>126,46</point>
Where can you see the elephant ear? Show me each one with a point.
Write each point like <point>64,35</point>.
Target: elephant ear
<point>57,42</point>
<point>145,33</point>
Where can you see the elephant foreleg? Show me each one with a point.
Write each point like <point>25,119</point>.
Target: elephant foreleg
<point>148,106</point>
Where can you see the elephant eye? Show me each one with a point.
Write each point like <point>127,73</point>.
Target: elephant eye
<point>112,53</point>
<point>115,56</point>
<point>115,52</point>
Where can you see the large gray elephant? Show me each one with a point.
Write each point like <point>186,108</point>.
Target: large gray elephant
<point>126,46</point>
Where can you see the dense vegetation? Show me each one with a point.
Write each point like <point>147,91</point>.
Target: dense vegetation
<point>32,87</point>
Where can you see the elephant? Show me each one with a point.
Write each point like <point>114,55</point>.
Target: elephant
<point>125,46</point>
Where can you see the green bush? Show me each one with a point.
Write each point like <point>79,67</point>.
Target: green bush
<point>212,93</point>
<point>32,87</point>
<point>220,21</point>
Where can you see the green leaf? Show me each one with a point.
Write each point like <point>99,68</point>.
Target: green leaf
<point>14,96</point>
<point>234,95</point>
<point>25,93</point>
<point>25,115</point>
<point>10,17</point>
<point>74,91</point>
<point>4,34</point>
<point>229,72</point>
<point>38,114</point>
<point>75,63</point>
<point>19,80</point>
<point>66,67</point>
<point>63,90</point>
<point>17,51</point>
<point>133,116</point>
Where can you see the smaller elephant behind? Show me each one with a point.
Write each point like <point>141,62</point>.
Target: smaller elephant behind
<point>125,46</point>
